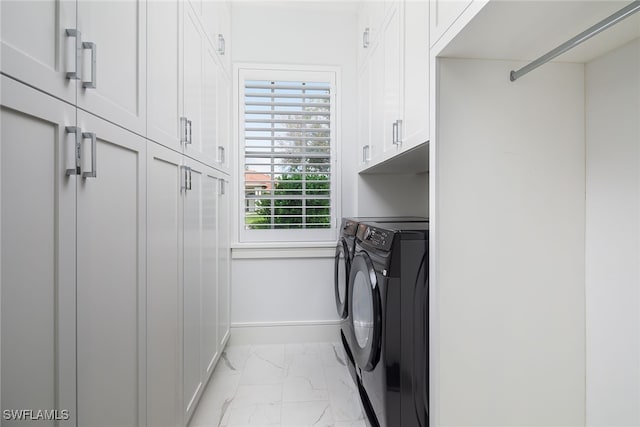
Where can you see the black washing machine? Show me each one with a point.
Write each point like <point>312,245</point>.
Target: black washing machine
<point>344,255</point>
<point>389,315</point>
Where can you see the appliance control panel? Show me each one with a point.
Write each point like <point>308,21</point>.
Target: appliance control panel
<point>376,237</point>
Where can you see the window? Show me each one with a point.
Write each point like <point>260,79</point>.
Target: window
<point>287,139</point>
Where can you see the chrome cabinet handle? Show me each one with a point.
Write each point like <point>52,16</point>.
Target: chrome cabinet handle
<point>76,150</point>
<point>187,178</point>
<point>394,132</point>
<point>222,187</point>
<point>183,130</point>
<point>92,137</point>
<point>72,32</point>
<point>220,154</point>
<point>365,153</point>
<point>91,84</point>
<point>222,45</point>
<point>365,37</point>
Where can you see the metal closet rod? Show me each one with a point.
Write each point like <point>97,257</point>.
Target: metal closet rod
<point>623,13</point>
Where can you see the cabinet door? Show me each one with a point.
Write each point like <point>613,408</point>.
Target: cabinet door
<point>192,286</point>
<point>193,81</point>
<point>35,46</point>
<point>164,72</point>
<point>363,40</point>
<point>209,295</point>
<point>393,89</point>
<point>223,35</point>
<point>164,280</point>
<point>415,125</point>
<point>206,151</point>
<point>38,232</point>
<point>224,266</point>
<point>364,114</point>
<point>224,121</point>
<point>443,13</point>
<point>111,301</point>
<point>118,69</point>
<point>376,94</point>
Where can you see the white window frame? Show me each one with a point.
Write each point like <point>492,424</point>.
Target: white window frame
<point>279,237</point>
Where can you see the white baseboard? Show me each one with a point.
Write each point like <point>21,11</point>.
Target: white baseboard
<point>284,332</point>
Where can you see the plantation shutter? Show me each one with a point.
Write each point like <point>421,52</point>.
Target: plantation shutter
<point>287,155</point>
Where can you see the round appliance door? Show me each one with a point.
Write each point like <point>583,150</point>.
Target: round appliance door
<point>366,312</point>
<point>341,277</point>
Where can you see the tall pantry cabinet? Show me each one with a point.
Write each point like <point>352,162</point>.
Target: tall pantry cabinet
<point>114,274</point>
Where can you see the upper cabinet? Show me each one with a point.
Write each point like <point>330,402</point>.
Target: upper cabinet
<point>70,50</point>
<point>394,83</point>
<point>165,72</point>
<point>216,21</point>
<point>113,84</point>
<point>189,104</point>
<point>442,14</point>
<point>43,53</point>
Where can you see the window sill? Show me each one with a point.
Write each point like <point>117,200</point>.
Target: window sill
<point>283,250</point>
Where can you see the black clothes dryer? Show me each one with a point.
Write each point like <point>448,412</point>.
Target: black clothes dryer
<point>343,257</point>
<point>388,309</point>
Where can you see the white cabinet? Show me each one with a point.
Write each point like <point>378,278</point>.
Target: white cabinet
<point>192,287</point>
<point>74,239</point>
<point>225,118</point>
<point>113,84</point>
<point>442,14</point>
<point>224,262</point>
<point>164,291</point>
<point>35,46</point>
<point>164,72</point>
<point>38,252</point>
<point>111,276</point>
<point>370,19</point>
<point>84,221</point>
<point>393,92</point>
<point>209,262</point>
<point>364,113</point>
<point>184,260</point>
<point>188,107</point>
<point>199,89</point>
<point>200,349</point>
<point>83,51</point>
<point>216,19</point>
<point>415,117</point>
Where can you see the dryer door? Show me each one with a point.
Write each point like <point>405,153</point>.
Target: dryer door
<point>366,312</point>
<point>341,277</point>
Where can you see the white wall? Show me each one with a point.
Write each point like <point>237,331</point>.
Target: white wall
<point>613,238</point>
<point>291,290</point>
<point>510,245</point>
<point>306,33</point>
<point>393,195</point>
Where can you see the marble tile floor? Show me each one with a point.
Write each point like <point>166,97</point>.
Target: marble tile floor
<point>292,385</point>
